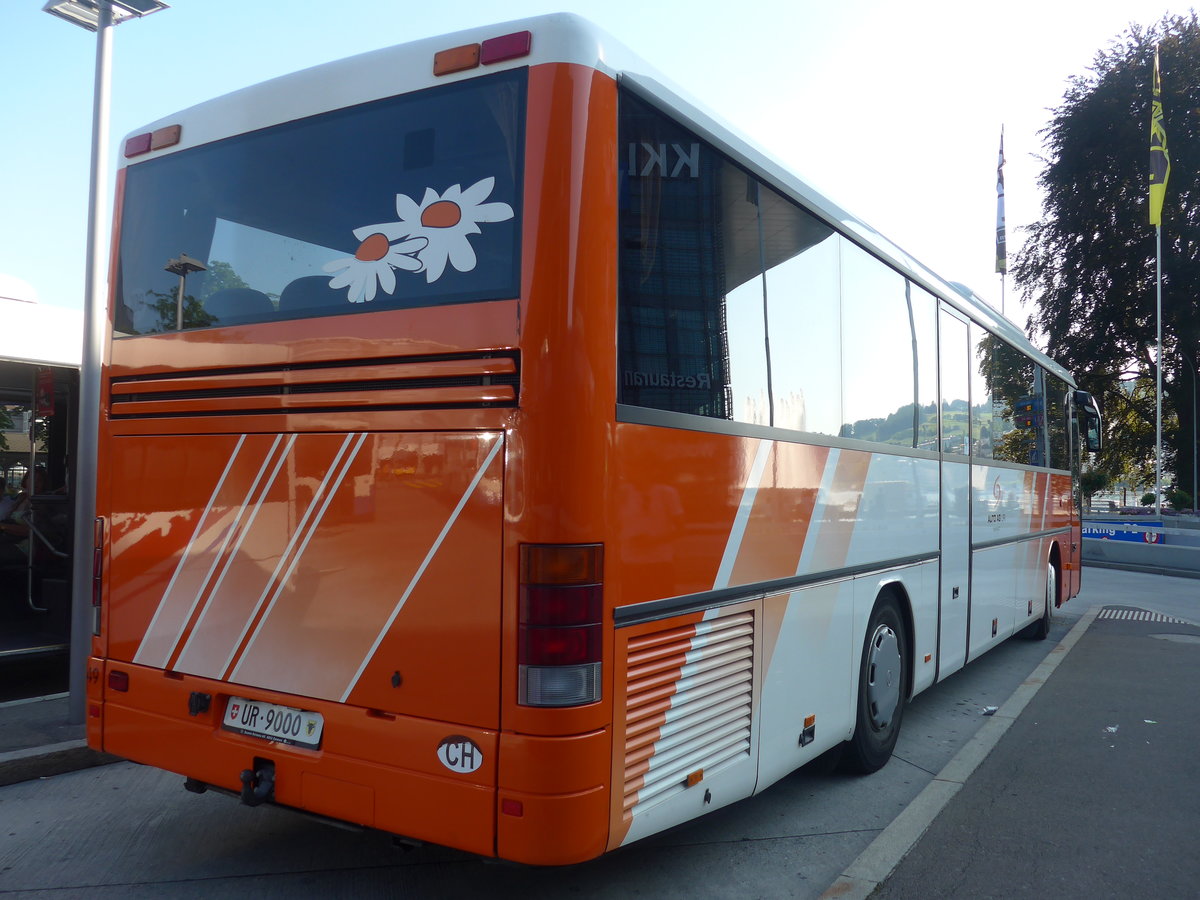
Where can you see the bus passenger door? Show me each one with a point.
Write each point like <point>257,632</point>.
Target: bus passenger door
<point>954,592</point>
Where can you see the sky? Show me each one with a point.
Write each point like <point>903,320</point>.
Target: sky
<point>891,109</point>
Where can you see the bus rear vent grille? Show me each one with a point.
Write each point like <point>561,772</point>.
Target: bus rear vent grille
<point>460,381</point>
<point>688,707</point>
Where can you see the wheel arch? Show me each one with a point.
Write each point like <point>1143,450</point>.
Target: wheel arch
<point>896,589</point>
<point>1056,561</point>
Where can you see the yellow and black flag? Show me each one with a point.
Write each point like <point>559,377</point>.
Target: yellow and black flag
<point>1160,159</point>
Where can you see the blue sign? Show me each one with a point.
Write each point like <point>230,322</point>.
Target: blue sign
<point>1121,531</point>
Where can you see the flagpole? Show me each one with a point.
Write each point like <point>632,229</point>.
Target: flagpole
<point>1001,248</point>
<point>1160,171</point>
<point>1158,373</point>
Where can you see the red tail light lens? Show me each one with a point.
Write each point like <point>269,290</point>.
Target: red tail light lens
<point>97,571</point>
<point>561,634</point>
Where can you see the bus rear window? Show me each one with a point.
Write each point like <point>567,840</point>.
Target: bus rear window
<point>404,202</point>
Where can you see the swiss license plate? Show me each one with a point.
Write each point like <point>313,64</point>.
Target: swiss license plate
<point>284,724</point>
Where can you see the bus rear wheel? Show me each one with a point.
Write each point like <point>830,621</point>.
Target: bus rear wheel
<point>882,682</point>
<point>1040,630</point>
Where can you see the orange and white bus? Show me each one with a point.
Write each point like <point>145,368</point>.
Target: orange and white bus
<point>500,452</point>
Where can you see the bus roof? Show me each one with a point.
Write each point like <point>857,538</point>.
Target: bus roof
<point>556,38</point>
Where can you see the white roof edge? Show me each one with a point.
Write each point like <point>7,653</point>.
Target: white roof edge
<point>557,38</point>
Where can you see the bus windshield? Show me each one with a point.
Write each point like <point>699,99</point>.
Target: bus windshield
<point>403,202</point>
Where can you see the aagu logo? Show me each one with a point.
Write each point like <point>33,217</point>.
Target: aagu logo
<point>459,754</point>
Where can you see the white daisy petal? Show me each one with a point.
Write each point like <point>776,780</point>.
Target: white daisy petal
<point>339,264</point>
<point>462,256</point>
<point>453,193</point>
<point>434,258</point>
<point>404,261</point>
<point>391,230</point>
<point>370,287</point>
<point>411,246</point>
<point>492,212</point>
<point>407,209</point>
<point>387,279</point>
<point>478,192</point>
<point>430,197</point>
<point>343,280</point>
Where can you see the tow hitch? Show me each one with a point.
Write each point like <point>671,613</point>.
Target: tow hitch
<point>258,784</point>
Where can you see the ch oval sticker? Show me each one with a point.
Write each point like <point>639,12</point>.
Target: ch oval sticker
<point>460,754</point>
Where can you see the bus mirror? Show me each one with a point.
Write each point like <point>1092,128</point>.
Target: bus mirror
<point>1087,412</point>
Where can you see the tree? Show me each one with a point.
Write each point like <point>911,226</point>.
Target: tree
<point>1088,265</point>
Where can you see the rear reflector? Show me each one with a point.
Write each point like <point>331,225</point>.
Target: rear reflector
<point>469,56</point>
<point>140,144</point>
<point>137,145</point>
<point>510,46</point>
<point>456,59</point>
<point>560,624</point>
<point>165,137</point>
<point>118,681</point>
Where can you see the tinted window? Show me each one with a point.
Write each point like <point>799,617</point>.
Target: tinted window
<point>878,362</point>
<point>409,201</point>
<point>802,258</point>
<point>956,412</point>
<point>924,315</point>
<point>692,332</point>
<point>1056,422</point>
<point>982,436</point>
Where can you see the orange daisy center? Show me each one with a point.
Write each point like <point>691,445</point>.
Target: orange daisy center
<point>373,248</point>
<point>443,214</point>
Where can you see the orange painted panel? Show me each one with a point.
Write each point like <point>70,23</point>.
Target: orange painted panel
<point>295,565</point>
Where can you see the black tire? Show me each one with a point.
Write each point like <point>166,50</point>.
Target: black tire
<point>1040,630</point>
<point>882,689</point>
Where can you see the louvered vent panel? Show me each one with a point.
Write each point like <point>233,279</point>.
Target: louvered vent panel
<point>688,706</point>
<point>463,381</point>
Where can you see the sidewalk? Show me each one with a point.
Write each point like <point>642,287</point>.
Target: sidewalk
<point>36,742</point>
<point>1088,791</point>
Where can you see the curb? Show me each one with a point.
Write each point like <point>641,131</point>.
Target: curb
<point>885,853</point>
<point>52,759</point>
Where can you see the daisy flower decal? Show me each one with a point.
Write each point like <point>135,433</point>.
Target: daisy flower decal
<point>446,221</point>
<point>373,262</point>
<point>429,235</point>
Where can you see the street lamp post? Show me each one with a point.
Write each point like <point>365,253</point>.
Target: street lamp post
<point>98,16</point>
<point>1195,448</point>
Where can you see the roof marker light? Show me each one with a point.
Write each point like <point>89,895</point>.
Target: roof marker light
<point>456,59</point>
<point>137,145</point>
<point>509,46</point>
<point>165,137</point>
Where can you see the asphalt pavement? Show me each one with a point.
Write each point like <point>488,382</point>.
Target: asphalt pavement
<point>1082,784</point>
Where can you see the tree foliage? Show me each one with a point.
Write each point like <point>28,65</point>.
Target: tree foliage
<point>1089,264</point>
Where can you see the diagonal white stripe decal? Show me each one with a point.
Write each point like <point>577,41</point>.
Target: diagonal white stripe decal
<point>812,539</point>
<point>424,565</point>
<point>230,530</point>
<point>303,534</point>
<point>734,544</point>
<point>142,651</point>
<point>241,537</point>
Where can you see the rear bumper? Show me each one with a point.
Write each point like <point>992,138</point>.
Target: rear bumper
<point>374,769</point>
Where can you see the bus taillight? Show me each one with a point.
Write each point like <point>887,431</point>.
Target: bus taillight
<point>561,616</point>
<point>97,570</point>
